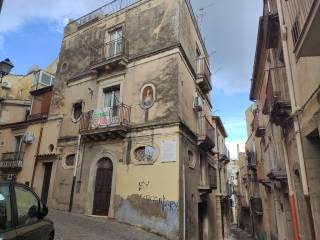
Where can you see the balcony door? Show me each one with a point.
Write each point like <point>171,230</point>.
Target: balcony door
<point>115,42</point>
<point>111,102</point>
<point>17,143</point>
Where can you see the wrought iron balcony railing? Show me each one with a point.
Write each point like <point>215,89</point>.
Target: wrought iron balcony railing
<point>206,134</point>
<point>105,118</point>
<point>277,103</point>
<point>298,11</point>
<point>106,10</point>
<point>203,74</point>
<point>251,160</point>
<point>258,126</point>
<point>11,161</point>
<point>109,51</point>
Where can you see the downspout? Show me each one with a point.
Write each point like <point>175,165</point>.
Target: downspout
<point>75,173</point>
<point>220,186</point>
<point>295,112</point>
<point>36,157</point>
<point>291,193</point>
<point>184,199</point>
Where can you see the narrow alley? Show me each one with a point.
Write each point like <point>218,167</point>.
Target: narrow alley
<point>239,234</point>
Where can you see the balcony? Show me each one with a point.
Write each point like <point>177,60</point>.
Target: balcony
<point>225,154</point>
<point>273,171</point>
<point>11,162</point>
<point>277,103</point>
<point>251,160</point>
<point>206,134</point>
<point>110,55</point>
<point>305,19</point>
<point>105,123</point>
<point>258,126</point>
<point>106,10</point>
<point>203,75</point>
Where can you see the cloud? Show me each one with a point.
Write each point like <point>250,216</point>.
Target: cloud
<point>16,13</point>
<point>230,31</point>
<point>232,146</point>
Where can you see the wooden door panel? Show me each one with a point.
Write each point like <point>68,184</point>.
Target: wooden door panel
<point>102,191</point>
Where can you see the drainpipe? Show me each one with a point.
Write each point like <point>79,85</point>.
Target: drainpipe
<point>295,112</point>
<point>75,173</point>
<point>184,199</point>
<point>37,153</point>
<point>291,193</point>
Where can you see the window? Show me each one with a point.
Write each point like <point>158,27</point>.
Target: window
<point>5,209</point>
<point>191,160</point>
<point>76,111</point>
<point>27,206</point>
<point>145,154</point>
<point>115,43</point>
<point>70,160</point>
<point>43,78</point>
<point>18,142</point>
<point>46,79</point>
<point>111,101</point>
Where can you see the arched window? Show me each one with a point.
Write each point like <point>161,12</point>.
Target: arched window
<point>69,161</point>
<point>145,154</point>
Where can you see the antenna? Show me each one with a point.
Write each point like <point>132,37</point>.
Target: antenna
<point>202,14</point>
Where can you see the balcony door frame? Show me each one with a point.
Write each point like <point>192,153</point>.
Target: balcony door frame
<point>107,83</point>
<point>112,37</point>
<point>17,147</point>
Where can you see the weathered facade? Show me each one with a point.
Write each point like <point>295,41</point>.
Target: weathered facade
<point>137,138</point>
<point>24,116</point>
<point>283,148</point>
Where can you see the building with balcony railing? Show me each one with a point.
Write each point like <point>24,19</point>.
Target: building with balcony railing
<point>304,26</point>
<point>11,162</point>
<point>27,132</point>
<point>127,118</point>
<point>285,86</point>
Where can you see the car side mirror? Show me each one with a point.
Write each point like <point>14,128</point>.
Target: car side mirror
<point>33,212</point>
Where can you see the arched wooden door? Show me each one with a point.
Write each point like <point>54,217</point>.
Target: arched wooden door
<point>102,191</point>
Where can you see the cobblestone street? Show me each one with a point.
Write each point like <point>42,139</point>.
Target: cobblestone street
<point>239,234</point>
<point>80,227</point>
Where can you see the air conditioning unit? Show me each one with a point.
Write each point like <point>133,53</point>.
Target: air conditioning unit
<point>28,138</point>
<point>197,103</point>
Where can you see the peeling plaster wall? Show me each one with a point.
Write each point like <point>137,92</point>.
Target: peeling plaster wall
<point>63,177</point>
<point>150,199</point>
<point>12,113</point>
<point>145,195</point>
<point>193,175</point>
<point>8,138</point>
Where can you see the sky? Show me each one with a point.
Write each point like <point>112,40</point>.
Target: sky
<point>31,33</point>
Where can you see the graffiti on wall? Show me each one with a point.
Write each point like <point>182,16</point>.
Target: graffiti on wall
<point>142,185</point>
<point>164,204</point>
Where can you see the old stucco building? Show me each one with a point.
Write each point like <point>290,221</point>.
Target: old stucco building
<point>25,130</point>
<point>136,140</point>
<point>283,149</point>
